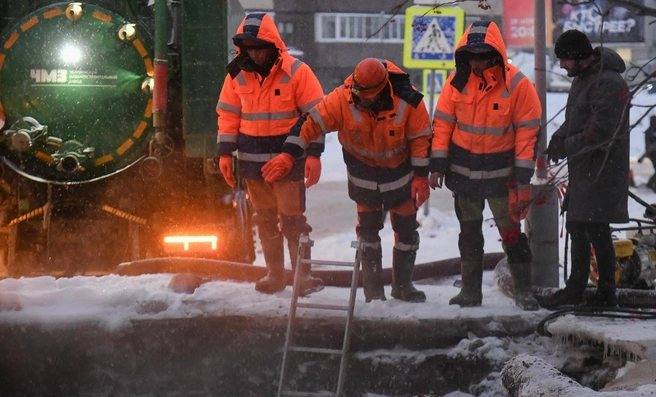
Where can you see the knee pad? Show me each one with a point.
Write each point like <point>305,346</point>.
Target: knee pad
<point>410,244</point>
<point>405,227</point>
<point>370,223</point>
<point>267,223</point>
<point>293,226</point>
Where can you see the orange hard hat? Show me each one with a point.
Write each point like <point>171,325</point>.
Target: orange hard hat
<point>369,78</point>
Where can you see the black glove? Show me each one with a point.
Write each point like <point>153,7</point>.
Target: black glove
<point>521,175</point>
<point>556,150</point>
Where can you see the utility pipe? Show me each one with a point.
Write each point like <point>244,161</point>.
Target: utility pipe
<point>161,67</point>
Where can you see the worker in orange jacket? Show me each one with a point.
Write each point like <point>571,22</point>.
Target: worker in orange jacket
<point>486,125</point>
<point>263,95</point>
<point>385,132</point>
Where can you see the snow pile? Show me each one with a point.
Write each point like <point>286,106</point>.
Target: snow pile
<point>526,375</point>
<point>634,343</point>
<point>113,301</point>
<point>475,353</point>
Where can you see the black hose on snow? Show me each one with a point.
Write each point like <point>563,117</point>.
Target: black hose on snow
<point>594,312</point>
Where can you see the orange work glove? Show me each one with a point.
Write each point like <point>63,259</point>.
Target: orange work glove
<point>420,190</point>
<point>312,171</point>
<point>519,201</point>
<point>225,166</point>
<point>277,167</point>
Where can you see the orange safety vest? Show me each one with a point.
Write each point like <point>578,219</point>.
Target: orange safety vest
<point>486,128</point>
<point>255,115</point>
<point>382,151</point>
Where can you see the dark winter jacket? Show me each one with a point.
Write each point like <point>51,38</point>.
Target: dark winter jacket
<point>596,142</point>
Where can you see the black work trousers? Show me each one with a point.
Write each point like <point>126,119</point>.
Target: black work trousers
<point>598,234</point>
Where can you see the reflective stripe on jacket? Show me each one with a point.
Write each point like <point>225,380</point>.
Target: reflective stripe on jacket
<point>486,133</point>
<point>255,115</point>
<point>382,151</point>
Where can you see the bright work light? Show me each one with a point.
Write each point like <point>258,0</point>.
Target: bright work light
<point>70,54</point>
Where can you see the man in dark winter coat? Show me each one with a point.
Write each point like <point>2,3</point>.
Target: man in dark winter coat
<point>595,140</point>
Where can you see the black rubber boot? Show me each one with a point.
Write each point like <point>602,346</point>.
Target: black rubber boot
<point>563,297</point>
<point>521,274</point>
<point>582,234</point>
<point>274,256</point>
<point>372,271</point>
<point>307,283</point>
<point>603,299</point>
<point>472,278</point>
<point>519,263</point>
<point>403,263</point>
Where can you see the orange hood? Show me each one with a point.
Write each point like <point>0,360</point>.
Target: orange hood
<point>259,27</point>
<point>478,37</point>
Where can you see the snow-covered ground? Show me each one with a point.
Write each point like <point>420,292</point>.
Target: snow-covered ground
<point>113,301</point>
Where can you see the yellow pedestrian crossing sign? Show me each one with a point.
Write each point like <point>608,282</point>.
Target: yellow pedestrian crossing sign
<point>431,36</point>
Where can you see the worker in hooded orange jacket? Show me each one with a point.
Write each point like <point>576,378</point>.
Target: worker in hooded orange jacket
<point>263,95</point>
<point>486,125</point>
<point>385,132</point>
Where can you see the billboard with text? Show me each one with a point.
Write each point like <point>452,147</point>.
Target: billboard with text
<point>619,26</point>
<point>518,23</point>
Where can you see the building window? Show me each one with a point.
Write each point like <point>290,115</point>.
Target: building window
<point>344,28</point>
<point>285,28</point>
<point>327,25</point>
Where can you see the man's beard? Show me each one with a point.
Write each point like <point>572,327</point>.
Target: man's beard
<point>575,71</point>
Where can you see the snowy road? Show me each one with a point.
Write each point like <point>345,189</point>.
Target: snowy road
<point>330,210</point>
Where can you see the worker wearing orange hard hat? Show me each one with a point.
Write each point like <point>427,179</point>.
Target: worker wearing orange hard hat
<point>385,131</point>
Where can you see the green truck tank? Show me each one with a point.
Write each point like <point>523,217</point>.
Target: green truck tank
<point>108,136</point>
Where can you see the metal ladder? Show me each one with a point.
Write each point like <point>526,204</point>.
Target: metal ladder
<point>304,244</point>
